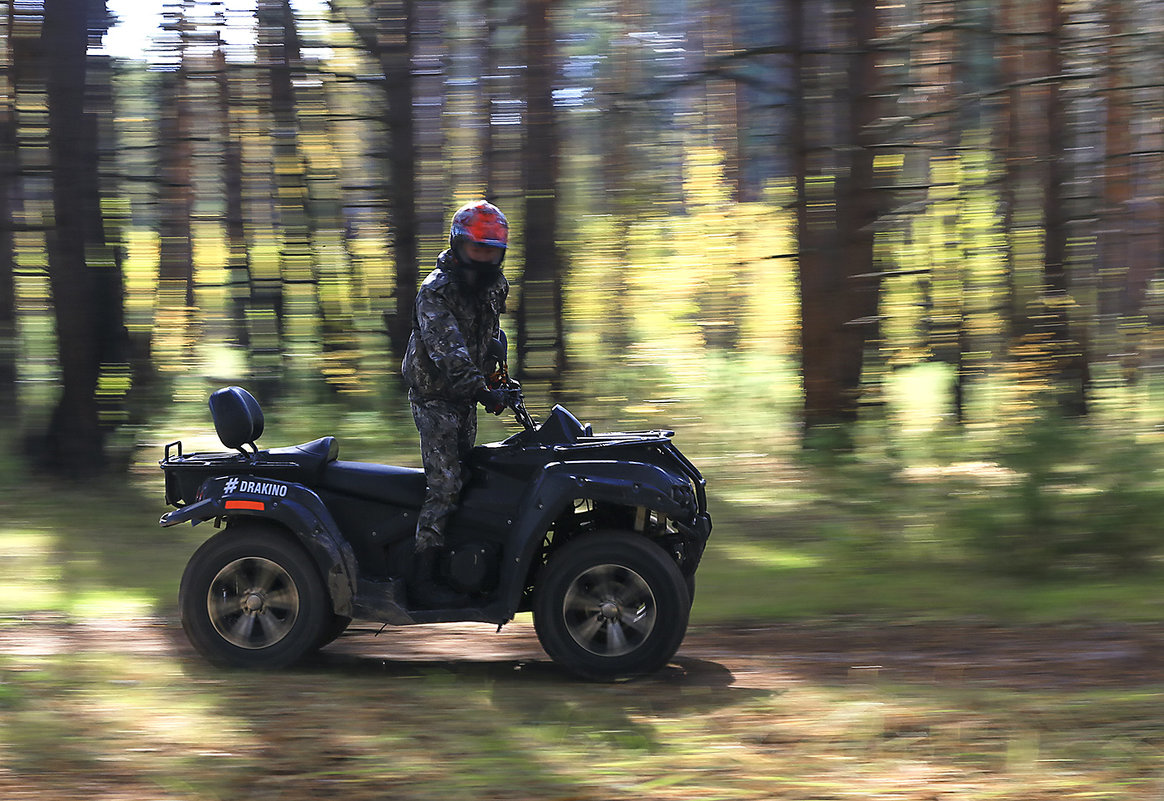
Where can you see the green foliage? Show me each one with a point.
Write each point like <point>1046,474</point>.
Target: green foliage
<point>1072,496</point>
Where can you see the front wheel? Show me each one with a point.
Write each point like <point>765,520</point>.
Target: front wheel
<point>252,597</point>
<point>611,605</point>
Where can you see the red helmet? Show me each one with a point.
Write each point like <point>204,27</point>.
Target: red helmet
<point>480,222</point>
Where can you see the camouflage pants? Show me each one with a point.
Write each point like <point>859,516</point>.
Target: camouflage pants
<point>447,433</point>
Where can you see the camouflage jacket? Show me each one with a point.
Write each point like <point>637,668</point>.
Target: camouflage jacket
<point>451,331</point>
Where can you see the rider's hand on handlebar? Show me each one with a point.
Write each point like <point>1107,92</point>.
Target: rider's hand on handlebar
<point>492,399</point>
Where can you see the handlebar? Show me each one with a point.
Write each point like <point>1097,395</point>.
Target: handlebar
<point>514,399</point>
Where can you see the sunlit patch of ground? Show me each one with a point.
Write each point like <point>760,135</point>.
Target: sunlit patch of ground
<point>984,473</point>
<point>123,710</point>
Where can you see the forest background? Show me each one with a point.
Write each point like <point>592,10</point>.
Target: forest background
<point>891,271</point>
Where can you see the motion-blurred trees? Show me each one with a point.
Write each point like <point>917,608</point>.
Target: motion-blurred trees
<point>1021,160</point>
<point>1037,176</point>
<point>386,29</point>
<point>9,174</point>
<point>964,182</point>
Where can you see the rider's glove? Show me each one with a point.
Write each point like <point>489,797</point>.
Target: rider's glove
<point>492,399</point>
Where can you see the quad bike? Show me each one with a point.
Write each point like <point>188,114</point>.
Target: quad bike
<point>599,535</point>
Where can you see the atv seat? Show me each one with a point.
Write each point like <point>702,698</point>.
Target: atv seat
<point>311,457</point>
<point>238,419</point>
<point>402,486</point>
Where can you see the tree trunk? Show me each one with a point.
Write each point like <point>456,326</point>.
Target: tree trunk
<point>238,259</point>
<point>85,289</point>
<point>394,45</point>
<point>540,337</point>
<point>1068,349</point>
<point>175,293</point>
<point>857,211</point>
<point>106,255</point>
<point>816,283</point>
<point>295,222</point>
<point>1115,213</point>
<point>824,301</point>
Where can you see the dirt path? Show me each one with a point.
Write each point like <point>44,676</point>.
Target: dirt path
<point>767,655</point>
<point>760,656</point>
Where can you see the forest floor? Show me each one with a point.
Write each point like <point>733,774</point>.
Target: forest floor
<point>769,655</point>
<point>123,710</point>
<point>1050,656</point>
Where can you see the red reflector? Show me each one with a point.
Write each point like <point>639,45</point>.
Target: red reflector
<point>257,506</point>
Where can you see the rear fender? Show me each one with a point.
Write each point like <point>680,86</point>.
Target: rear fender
<point>292,506</point>
<point>561,484</point>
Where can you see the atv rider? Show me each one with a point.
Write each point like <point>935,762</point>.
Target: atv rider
<point>456,317</point>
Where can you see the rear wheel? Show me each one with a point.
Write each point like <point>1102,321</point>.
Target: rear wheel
<point>611,605</point>
<point>251,596</point>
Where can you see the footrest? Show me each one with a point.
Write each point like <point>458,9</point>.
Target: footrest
<point>383,601</point>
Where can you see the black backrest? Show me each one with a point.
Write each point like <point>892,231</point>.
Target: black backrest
<point>237,417</point>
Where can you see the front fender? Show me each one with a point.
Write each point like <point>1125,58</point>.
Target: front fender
<point>561,484</point>
<point>293,506</point>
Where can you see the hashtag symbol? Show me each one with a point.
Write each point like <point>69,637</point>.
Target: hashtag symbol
<point>230,486</point>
